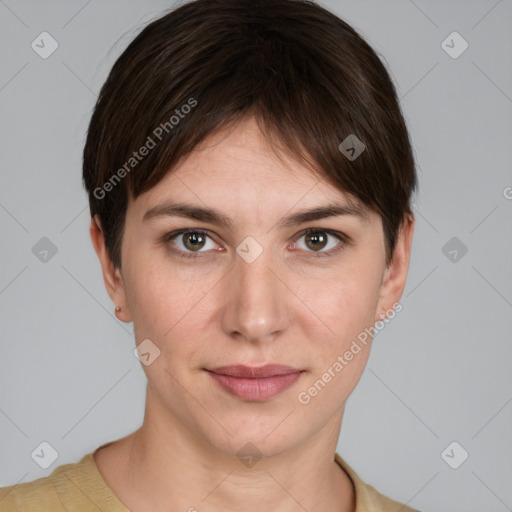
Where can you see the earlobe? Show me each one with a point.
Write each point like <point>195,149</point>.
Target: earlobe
<point>111,276</point>
<point>395,274</point>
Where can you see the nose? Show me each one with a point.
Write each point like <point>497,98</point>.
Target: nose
<point>255,306</point>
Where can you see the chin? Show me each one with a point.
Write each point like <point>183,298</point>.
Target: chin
<point>253,437</point>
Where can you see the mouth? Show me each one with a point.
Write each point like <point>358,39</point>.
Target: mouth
<point>255,384</point>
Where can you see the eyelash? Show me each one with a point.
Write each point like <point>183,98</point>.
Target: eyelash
<point>344,240</point>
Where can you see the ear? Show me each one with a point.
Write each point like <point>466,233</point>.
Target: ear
<point>395,274</point>
<point>112,277</point>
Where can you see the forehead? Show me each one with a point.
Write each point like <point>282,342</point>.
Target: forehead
<point>236,166</point>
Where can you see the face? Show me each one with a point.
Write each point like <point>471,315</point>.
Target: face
<point>251,291</point>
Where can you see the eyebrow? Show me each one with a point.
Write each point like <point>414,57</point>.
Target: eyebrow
<point>209,215</point>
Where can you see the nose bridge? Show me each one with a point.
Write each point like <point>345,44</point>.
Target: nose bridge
<point>255,302</point>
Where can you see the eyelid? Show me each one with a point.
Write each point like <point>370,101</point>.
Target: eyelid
<point>168,238</point>
<point>342,237</point>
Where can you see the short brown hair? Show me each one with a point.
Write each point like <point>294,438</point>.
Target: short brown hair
<point>308,78</point>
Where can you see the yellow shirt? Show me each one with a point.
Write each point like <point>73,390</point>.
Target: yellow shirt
<point>79,487</point>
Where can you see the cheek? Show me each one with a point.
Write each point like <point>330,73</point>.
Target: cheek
<point>338,357</point>
<point>169,302</point>
<point>342,303</point>
<point>338,320</point>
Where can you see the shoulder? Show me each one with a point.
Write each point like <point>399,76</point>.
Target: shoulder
<point>50,493</point>
<point>37,495</point>
<point>368,499</point>
<point>34,496</point>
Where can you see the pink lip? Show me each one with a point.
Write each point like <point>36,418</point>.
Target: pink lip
<point>255,383</point>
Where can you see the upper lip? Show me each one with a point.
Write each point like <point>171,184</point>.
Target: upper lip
<point>254,372</point>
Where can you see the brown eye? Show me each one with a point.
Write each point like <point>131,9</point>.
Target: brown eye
<point>320,241</point>
<point>316,241</point>
<point>189,242</point>
<point>193,241</point>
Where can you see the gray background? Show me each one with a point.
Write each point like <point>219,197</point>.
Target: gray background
<point>439,372</point>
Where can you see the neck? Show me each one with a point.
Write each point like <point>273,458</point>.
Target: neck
<point>165,466</point>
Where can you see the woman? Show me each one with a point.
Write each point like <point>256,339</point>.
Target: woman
<point>249,174</point>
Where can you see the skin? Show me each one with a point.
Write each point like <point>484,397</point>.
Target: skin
<point>289,306</point>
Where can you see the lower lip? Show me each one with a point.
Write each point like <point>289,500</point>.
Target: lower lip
<point>256,390</point>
